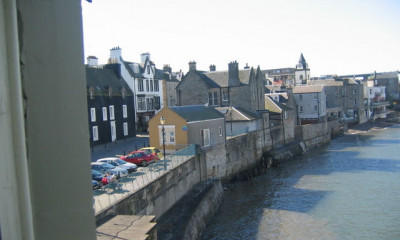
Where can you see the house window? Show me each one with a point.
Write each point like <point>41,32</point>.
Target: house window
<point>104,113</point>
<point>315,108</point>
<point>169,134</point>
<point>205,137</point>
<point>225,95</point>
<point>355,102</point>
<point>93,114</point>
<point>95,133</point>
<point>125,126</point>
<point>140,85</point>
<point>171,138</point>
<point>147,85</point>
<point>300,97</point>
<point>213,98</point>
<point>285,114</point>
<point>354,91</point>
<point>141,103</point>
<point>301,109</point>
<point>156,86</point>
<point>110,92</point>
<point>148,69</point>
<point>315,97</point>
<point>111,109</point>
<point>123,92</point>
<point>157,103</point>
<point>151,85</point>
<point>91,93</point>
<point>149,103</point>
<point>124,111</point>
<point>220,131</point>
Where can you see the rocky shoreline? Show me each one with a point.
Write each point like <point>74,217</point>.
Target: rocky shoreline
<point>392,118</point>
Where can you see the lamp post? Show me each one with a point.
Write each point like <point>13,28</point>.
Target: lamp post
<point>162,121</point>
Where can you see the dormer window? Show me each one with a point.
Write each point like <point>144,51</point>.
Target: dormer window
<point>123,92</point>
<point>91,93</point>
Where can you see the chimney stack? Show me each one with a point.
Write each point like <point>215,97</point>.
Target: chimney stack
<point>233,74</point>
<point>115,55</point>
<point>192,66</point>
<point>143,57</point>
<point>247,66</point>
<point>167,68</point>
<point>92,61</point>
<point>212,68</point>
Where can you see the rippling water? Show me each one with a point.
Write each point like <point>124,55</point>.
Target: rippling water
<point>349,189</point>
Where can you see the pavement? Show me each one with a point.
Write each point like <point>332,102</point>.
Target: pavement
<point>120,147</point>
<point>103,198</point>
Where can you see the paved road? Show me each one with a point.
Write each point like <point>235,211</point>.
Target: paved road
<point>120,147</point>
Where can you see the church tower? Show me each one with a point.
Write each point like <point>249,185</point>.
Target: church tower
<point>302,72</point>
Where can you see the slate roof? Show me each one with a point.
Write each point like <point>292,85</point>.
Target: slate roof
<point>238,114</point>
<point>275,106</point>
<point>221,77</point>
<point>166,76</point>
<point>308,89</point>
<point>194,113</point>
<point>130,70</point>
<point>101,79</point>
<point>326,82</point>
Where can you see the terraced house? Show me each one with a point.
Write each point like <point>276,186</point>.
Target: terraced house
<point>240,88</point>
<point>146,84</point>
<point>109,99</point>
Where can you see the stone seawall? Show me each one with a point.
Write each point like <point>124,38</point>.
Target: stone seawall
<point>158,196</point>
<point>207,207</point>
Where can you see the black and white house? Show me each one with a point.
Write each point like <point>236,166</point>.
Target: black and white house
<point>110,106</point>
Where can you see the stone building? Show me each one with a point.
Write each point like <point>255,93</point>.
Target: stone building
<point>311,103</point>
<point>241,88</point>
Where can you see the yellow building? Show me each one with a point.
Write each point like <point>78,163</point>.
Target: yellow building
<point>184,125</point>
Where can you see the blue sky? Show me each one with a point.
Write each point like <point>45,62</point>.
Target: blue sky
<point>335,37</point>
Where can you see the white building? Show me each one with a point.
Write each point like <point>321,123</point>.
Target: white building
<point>146,83</point>
<point>311,103</point>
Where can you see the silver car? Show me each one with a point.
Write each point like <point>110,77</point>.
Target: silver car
<point>131,167</point>
<point>106,167</point>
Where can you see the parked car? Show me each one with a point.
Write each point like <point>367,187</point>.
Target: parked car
<point>96,175</point>
<point>153,151</point>
<point>117,162</point>
<point>139,157</point>
<point>106,167</point>
<point>95,185</point>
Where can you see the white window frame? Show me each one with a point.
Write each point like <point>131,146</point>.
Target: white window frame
<point>124,111</point>
<point>95,132</point>
<point>225,95</point>
<point>285,113</point>
<point>169,138</point>
<point>205,137</point>
<point>105,114</point>
<point>93,114</point>
<point>125,126</point>
<point>220,132</point>
<point>111,109</point>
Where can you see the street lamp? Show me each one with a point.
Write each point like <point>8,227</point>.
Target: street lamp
<point>162,121</point>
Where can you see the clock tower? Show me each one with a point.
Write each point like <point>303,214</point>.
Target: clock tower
<point>302,72</point>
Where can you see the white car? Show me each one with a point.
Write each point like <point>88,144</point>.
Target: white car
<point>131,167</point>
<point>106,167</point>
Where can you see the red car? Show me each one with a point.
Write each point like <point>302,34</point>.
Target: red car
<point>139,157</point>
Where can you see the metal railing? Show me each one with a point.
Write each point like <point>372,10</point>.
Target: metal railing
<point>109,195</point>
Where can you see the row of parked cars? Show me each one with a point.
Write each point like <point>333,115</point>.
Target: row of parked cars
<point>122,166</point>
